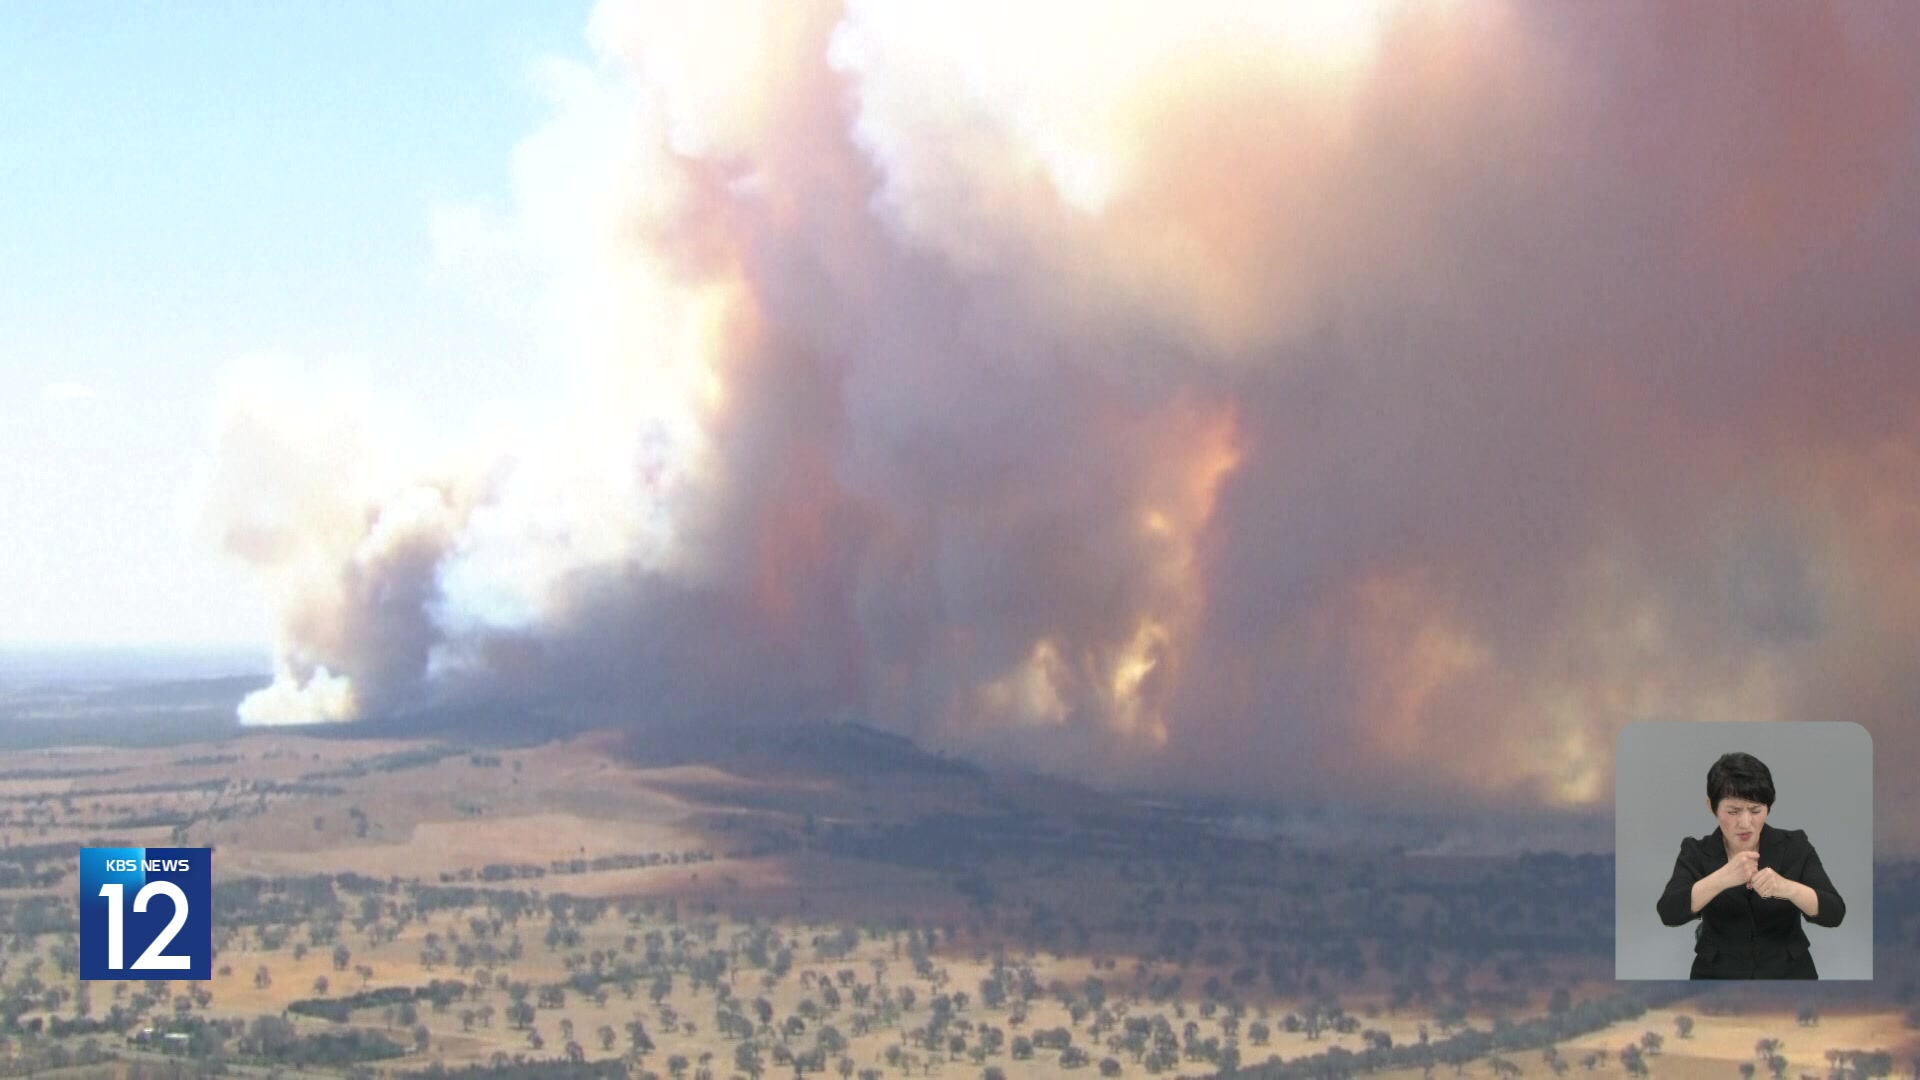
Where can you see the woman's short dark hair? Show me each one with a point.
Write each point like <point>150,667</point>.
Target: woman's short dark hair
<point>1739,776</point>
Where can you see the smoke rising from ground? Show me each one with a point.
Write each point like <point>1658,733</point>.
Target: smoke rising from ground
<point>1387,406</point>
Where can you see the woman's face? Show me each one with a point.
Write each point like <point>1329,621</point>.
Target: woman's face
<point>1740,822</point>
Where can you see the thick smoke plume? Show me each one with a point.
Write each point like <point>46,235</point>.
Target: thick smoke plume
<point>1387,400</point>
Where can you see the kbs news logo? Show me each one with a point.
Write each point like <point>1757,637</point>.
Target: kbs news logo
<point>145,913</point>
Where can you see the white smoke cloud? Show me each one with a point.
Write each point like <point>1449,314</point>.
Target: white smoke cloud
<point>1302,397</point>
<point>69,390</point>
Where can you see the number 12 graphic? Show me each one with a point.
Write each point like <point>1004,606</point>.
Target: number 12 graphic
<point>153,959</point>
<point>151,906</point>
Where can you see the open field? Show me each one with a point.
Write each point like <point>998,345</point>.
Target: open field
<point>835,902</point>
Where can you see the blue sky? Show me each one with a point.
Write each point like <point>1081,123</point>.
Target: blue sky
<point>183,185</point>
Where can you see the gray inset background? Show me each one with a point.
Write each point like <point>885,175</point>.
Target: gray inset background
<point>1823,783</point>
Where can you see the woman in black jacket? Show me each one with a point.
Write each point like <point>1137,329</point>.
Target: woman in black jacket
<point>1749,883</point>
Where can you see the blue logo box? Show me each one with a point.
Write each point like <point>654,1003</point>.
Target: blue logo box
<point>146,913</point>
